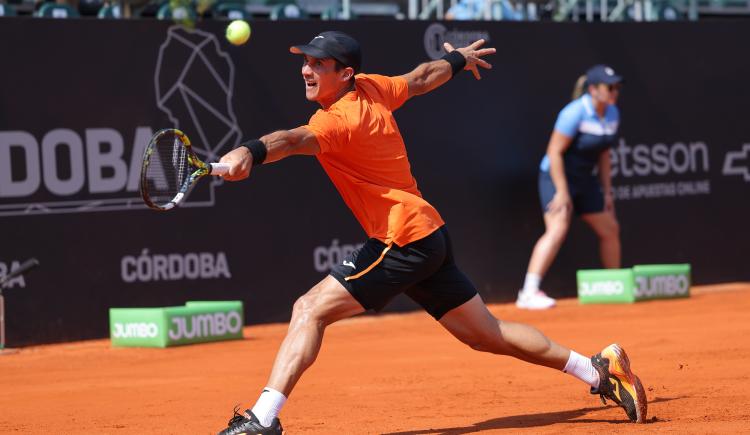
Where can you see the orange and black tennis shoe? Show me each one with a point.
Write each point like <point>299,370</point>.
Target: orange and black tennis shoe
<point>618,384</point>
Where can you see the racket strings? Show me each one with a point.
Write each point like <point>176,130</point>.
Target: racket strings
<point>179,160</point>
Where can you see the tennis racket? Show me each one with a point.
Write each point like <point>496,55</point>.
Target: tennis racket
<point>171,168</point>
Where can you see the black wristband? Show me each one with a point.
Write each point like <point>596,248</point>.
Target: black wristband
<point>457,61</point>
<point>257,149</point>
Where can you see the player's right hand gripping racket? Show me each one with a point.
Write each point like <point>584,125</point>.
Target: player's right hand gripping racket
<point>171,168</point>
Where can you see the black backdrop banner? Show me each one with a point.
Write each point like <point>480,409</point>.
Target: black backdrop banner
<point>81,98</point>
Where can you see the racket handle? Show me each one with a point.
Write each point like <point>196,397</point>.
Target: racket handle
<point>220,168</point>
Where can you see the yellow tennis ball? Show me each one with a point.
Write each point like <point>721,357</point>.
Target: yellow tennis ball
<point>238,32</point>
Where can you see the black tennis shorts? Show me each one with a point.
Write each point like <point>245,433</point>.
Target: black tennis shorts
<point>424,270</point>
<point>585,192</point>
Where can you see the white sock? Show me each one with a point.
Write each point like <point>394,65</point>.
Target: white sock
<point>531,283</point>
<point>268,406</point>
<point>581,367</point>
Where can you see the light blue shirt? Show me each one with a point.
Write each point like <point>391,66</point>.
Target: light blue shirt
<point>591,134</point>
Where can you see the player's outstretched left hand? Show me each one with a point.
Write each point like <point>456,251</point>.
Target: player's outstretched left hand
<point>473,54</point>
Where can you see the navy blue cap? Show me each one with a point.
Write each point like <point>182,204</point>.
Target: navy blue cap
<point>333,44</point>
<point>602,74</point>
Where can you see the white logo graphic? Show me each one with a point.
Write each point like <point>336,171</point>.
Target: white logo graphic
<point>601,288</point>
<point>8,268</point>
<point>349,263</point>
<point>205,325</point>
<point>326,258</point>
<point>174,267</point>
<point>436,34</point>
<point>658,159</point>
<point>609,71</point>
<point>661,285</point>
<point>732,165</point>
<point>95,167</point>
<point>135,330</point>
<point>688,159</point>
<point>98,169</point>
<point>197,96</point>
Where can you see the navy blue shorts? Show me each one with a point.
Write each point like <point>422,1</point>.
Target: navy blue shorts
<point>585,192</point>
<point>423,270</point>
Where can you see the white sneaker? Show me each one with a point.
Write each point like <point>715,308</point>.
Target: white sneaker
<point>537,300</point>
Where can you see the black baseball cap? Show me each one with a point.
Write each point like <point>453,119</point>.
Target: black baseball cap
<point>602,74</point>
<point>333,44</point>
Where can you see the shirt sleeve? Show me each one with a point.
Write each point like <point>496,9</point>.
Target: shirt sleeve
<point>569,119</point>
<point>329,129</point>
<point>395,90</point>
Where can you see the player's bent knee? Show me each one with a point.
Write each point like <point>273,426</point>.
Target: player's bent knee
<point>490,346</point>
<point>485,343</point>
<point>315,306</point>
<point>305,308</point>
<point>299,307</point>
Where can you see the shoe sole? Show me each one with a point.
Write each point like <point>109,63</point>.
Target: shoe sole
<point>525,307</point>
<point>528,307</point>
<point>622,368</point>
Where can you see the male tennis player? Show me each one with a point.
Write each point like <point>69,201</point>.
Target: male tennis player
<point>356,140</point>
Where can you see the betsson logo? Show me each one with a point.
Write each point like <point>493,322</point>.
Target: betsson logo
<point>658,159</point>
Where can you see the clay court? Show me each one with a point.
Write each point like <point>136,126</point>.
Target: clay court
<point>402,374</point>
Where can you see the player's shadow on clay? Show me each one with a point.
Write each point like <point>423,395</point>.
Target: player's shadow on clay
<point>528,421</point>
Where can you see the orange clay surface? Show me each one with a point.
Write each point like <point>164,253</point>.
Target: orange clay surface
<point>402,374</point>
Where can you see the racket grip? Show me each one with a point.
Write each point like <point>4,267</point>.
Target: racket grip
<point>220,168</point>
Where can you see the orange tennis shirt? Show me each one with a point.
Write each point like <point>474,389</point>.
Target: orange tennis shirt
<point>363,153</point>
